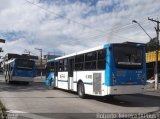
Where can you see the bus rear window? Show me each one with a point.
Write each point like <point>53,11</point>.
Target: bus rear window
<point>24,64</point>
<point>129,57</point>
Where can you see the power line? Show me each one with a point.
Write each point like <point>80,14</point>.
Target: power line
<point>69,19</point>
<point>103,33</point>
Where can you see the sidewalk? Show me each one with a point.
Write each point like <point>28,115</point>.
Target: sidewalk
<point>151,91</point>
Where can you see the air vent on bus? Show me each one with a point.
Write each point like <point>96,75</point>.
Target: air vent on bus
<point>97,82</point>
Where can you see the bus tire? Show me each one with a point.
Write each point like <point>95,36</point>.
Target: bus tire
<point>81,90</point>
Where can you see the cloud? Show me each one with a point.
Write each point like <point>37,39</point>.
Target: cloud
<point>71,25</point>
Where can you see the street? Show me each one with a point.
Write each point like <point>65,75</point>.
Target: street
<point>36,101</point>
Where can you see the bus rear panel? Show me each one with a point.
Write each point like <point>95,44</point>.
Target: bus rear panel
<point>20,70</point>
<point>127,70</point>
<point>24,70</point>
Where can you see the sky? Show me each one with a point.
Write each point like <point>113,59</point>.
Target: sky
<point>67,26</point>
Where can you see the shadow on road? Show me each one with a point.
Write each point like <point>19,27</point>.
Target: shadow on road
<point>23,87</point>
<point>137,100</point>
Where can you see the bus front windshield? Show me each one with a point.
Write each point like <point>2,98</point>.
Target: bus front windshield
<point>24,64</point>
<point>128,57</point>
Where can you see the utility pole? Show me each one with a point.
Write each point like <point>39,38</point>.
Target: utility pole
<point>157,51</point>
<point>40,59</point>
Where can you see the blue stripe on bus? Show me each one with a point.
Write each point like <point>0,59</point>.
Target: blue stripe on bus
<point>89,83</point>
<point>63,80</point>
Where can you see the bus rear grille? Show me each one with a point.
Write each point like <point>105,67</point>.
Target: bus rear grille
<point>97,83</point>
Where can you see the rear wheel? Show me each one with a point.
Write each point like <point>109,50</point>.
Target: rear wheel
<point>81,90</point>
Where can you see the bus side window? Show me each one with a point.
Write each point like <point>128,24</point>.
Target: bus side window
<point>71,67</point>
<point>90,60</point>
<point>56,68</point>
<point>101,59</point>
<point>61,65</point>
<point>79,62</point>
<point>52,67</point>
<point>65,64</point>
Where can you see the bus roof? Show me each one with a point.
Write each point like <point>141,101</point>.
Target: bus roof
<point>13,59</point>
<point>81,52</point>
<point>50,60</point>
<point>95,48</point>
<point>9,61</point>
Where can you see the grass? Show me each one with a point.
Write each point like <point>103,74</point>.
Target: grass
<point>3,113</point>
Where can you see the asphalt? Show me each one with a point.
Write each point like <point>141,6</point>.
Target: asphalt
<point>150,90</point>
<point>35,101</point>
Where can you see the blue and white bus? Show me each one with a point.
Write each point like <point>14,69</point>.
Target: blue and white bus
<point>111,69</point>
<point>18,69</point>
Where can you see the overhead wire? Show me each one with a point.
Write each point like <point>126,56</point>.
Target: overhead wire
<point>69,19</point>
<point>102,33</point>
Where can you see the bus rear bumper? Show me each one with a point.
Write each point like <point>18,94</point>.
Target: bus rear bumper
<point>127,89</point>
<point>25,79</point>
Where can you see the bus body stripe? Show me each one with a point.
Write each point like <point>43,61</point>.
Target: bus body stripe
<point>63,80</point>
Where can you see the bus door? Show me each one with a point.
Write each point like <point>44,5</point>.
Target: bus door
<point>6,72</point>
<point>70,73</point>
<point>55,74</point>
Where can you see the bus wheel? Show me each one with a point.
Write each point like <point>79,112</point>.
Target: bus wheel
<point>81,90</point>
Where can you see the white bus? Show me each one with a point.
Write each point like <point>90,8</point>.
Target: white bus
<point>112,69</point>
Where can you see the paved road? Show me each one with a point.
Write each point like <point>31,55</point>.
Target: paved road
<point>37,101</point>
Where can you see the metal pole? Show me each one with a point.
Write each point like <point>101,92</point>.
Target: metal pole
<point>134,21</point>
<point>41,62</point>
<point>157,52</point>
<point>156,68</point>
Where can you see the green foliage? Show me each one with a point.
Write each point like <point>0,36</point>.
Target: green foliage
<point>152,45</point>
